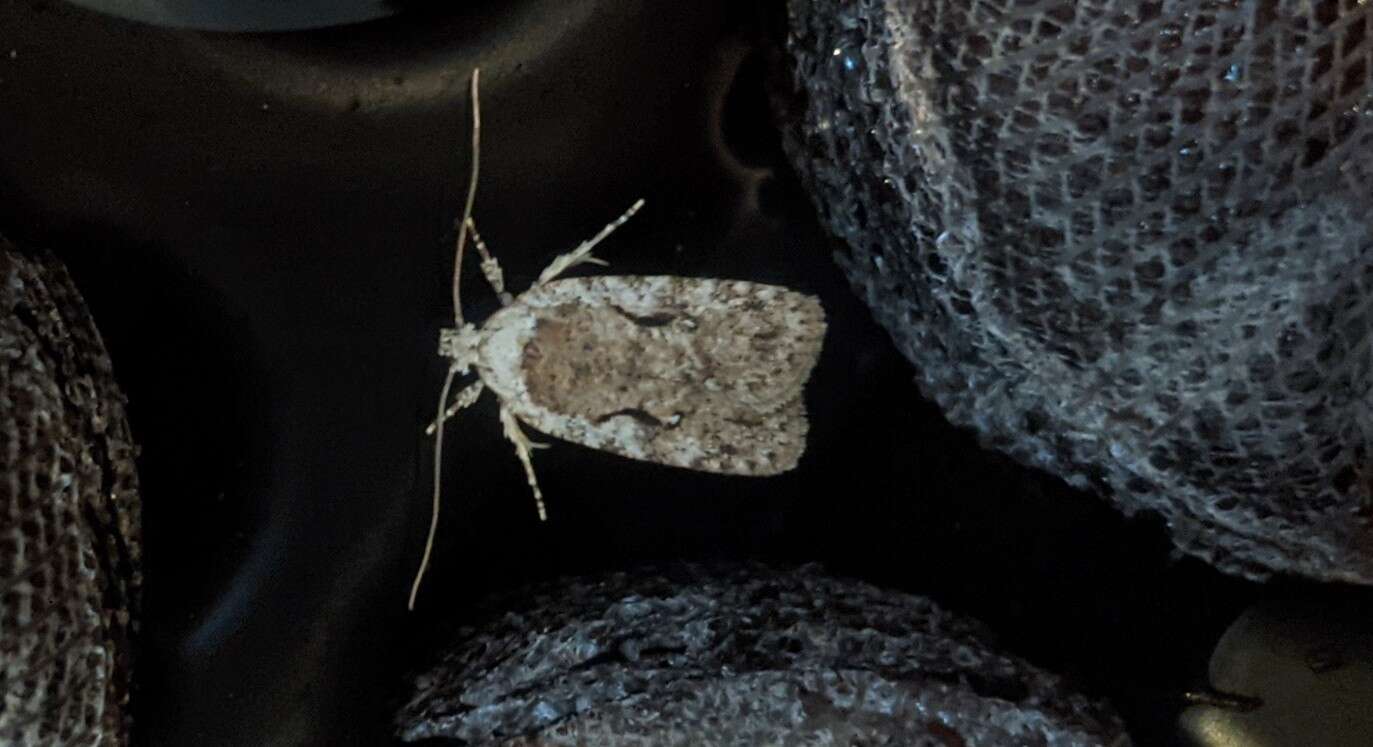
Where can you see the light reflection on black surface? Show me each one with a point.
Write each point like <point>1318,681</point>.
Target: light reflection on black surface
<point>245,15</point>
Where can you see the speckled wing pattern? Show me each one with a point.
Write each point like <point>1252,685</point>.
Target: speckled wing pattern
<point>698,373</point>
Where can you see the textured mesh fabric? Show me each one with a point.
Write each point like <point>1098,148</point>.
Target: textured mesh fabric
<point>1127,242</point>
<point>739,655</point>
<point>69,536</point>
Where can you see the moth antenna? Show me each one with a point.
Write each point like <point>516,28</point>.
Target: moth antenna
<point>457,316</point>
<point>438,475</point>
<point>471,195</point>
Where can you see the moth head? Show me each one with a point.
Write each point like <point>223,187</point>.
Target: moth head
<point>460,344</point>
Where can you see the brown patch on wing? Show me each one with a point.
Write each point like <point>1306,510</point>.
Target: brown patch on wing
<point>710,386</point>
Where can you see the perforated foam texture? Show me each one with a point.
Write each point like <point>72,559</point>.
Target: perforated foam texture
<point>1127,242</point>
<point>69,531</point>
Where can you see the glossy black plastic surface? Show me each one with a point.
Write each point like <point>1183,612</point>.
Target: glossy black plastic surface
<point>245,15</point>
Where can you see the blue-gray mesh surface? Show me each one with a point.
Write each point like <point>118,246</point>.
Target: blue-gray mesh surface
<point>1127,242</point>
<point>739,655</point>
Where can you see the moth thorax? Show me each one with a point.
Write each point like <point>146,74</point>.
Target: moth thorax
<point>460,344</point>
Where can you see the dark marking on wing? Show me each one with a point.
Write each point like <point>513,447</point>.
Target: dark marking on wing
<point>632,412</point>
<point>660,319</point>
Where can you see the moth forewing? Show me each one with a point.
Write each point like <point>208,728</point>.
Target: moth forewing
<point>704,374</point>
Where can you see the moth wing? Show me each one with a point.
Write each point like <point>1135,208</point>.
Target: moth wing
<point>698,373</point>
<point>762,340</point>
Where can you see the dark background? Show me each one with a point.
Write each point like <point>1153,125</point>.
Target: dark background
<point>262,225</point>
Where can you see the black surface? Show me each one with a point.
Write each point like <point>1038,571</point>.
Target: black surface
<point>262,226</point>
<point>246,15</point>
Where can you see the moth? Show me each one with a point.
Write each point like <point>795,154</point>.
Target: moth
<point>699,373</point>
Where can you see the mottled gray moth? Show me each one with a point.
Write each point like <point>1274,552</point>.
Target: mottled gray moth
<point>699,373</point>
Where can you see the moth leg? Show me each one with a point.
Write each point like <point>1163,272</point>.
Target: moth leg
<point>522,448</point>
<point>490,267</point>
<point>469,395</point>
<point>582,254</point>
